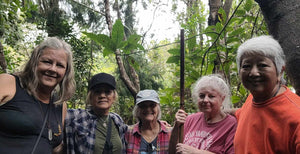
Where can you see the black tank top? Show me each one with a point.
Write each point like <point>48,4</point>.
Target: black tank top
<point>21,121</point>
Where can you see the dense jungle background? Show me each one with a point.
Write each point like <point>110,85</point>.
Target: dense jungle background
<point>107,37</point>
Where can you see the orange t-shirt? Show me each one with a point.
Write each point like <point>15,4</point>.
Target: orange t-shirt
<point>269,127</point>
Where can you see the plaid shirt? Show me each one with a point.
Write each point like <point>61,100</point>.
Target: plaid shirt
<point>80,128</point>
<point>133,138</point>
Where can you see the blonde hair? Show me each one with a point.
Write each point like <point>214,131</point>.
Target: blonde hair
<point>29,79</point>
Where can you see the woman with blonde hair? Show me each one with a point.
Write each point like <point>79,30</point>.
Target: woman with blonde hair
<point>32,107</point>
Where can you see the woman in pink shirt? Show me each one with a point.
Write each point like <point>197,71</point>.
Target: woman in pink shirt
<point>211,130</point>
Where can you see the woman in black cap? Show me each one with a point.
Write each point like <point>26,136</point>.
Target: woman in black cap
<point>96,130</point>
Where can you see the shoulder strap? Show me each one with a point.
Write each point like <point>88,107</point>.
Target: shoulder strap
<point>108,145</point>
<point>41,132</point>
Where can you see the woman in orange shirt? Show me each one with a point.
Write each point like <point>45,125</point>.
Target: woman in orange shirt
<point>268,122</point>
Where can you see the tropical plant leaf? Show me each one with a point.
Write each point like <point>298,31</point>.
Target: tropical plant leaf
<point>174,52</point>
<point>117,34</point>
<point>101,39</point>
<point>173,59</point>
<point>235,99</point>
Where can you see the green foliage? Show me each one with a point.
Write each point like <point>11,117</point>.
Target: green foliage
<point>208,50</point>
<point>216,54</point>
<point>82,67</point>
<point>11,19</point>
<point>56,25</point>
<point>116,41</point>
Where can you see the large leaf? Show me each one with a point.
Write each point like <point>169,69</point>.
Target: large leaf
<point>101,39</point>
<point>107,52</point>
<point>117,34</point>
<point>173,59</point>
<point>134,39</point>
<point>131,43</point>
<point>175,51</point>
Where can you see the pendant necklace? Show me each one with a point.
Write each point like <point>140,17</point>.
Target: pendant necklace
<point>104,122</point>
<point>50,132</point>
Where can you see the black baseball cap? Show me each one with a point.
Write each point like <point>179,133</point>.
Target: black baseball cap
<point>102,78</point>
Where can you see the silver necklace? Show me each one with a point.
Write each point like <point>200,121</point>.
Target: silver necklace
<point>104,122</point>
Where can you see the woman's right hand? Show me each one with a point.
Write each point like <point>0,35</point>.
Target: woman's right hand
<point>180,117</point>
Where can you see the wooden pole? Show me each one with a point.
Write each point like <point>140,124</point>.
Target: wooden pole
<point>181,80</point>
<point>182,69</point>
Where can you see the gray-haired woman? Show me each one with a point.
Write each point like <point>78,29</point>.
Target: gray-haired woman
<point>268,122</point>
<point>32,105</point>
<point>211,130</point>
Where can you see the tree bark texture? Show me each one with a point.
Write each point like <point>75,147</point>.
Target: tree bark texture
<point>107,15</point>
<point>227,7</point>
<point>283,20</point>
<point>214,6</point>
<point>132,84</point>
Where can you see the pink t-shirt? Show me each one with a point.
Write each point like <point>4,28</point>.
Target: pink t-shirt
<point>216,137</point>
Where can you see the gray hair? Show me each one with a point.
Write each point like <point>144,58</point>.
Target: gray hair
<point>137,110</point>
<point>28,76</point>
<point>265,45</point>
<point>216,82</point>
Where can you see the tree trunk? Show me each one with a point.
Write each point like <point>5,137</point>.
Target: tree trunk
<point>214,6</point>
<point>108,16</point>
<point>283,19</point>
<point>132,84</point>
<point>227,6</point>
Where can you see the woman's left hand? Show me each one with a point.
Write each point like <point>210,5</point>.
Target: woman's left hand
<point>186,149</point>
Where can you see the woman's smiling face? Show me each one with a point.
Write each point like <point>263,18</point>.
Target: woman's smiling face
<point>51,67</point>
<point>210,101</point>
<point>259,75</point>
<point>148,111</point>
